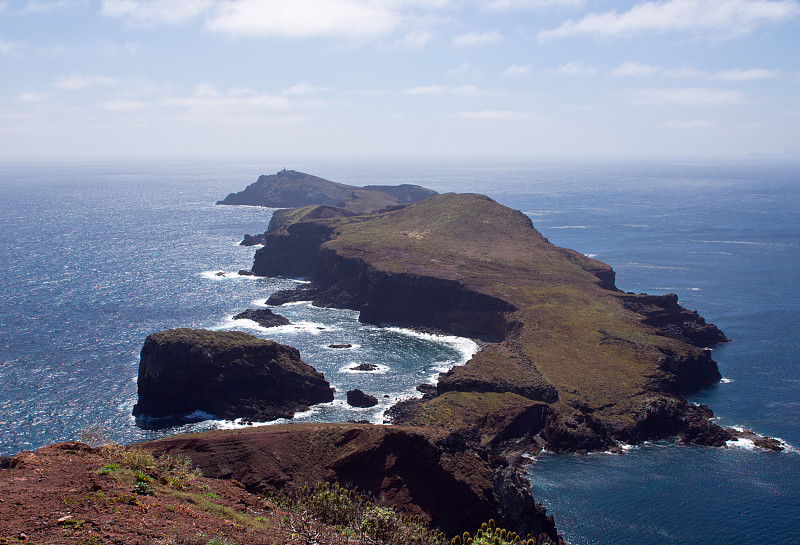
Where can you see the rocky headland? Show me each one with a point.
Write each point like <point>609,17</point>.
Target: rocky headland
<point>292,189</point>
<point>572,363</point>
<point>228,374</point>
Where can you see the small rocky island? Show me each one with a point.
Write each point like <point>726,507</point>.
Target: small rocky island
<point>228,374</point>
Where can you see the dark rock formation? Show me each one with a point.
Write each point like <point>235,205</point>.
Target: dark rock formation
<point>253,240</point>
<point>365,367</point>
<point>263,317</point>
<point>672,320</point>
<point>292,189</point>
<point>225,373</point>
<point>357,398</point>
<point>454,483</point>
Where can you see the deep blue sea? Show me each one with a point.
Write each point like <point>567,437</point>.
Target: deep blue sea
<point>95,256</point>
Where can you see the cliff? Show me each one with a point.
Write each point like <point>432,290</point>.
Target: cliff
<point>607,366</point>
<point>292,189</point>
<point>228,374</point>
<point>131,495</point>
<point>444,477</point>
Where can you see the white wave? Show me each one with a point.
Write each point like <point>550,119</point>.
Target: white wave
<point>724,380</point>
<point>227,275</point>
<point>200,415</point>
<point>742,443</point>
<point>745,242</point>
<point>592,256</point>
<point>466,347</point>
<point>314,328</point>
<point>244,423</point>
<point>569,227</point>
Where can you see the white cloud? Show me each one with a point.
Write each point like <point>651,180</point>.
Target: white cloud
<point>691,124</point>
<point>124,105</point>
<point>745,75</point>
<point>490,114</point>
<point>207,99</point>
<point>355,20</point>
<point>349,19</point>
<point>77,82</point>
<point>442,90</point>
<point>415,39</point>
<point>635,69</point>
<point>532,4</point>
<point>684,72</point>
<point>6,47</point>
<point>685,96</point>
<point>150,12</point>
<point>33,98</point>
<point>477,38</point>
<point>516,70</point>
<point>305,89</point>
<point>38,6</point>
<point>574,69</point>
<point>712,18</point>
<point>461,71</point>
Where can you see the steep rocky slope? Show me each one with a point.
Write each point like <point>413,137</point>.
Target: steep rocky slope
<point>448,478</point>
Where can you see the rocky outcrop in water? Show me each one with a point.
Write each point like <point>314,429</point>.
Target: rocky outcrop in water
<point>263,317</point>
<point>357,398</point>
<point>228,374</point>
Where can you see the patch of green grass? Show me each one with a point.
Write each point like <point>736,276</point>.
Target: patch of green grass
<point>108,469</point>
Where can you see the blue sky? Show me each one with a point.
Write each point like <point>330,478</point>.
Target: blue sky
<point>399,78</point>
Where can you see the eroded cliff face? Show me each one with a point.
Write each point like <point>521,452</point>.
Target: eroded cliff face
<point>445,477</point>
<point>609,365</point>
<point>228,374</point>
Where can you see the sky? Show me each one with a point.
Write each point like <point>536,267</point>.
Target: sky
<point>100,79</point>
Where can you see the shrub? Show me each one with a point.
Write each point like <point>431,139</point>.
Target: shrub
<point>108,469</point>
<point>143,488</point>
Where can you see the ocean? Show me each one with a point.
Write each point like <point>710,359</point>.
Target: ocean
<point>95,256</point>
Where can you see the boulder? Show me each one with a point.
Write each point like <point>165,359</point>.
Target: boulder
<point>357,398</point>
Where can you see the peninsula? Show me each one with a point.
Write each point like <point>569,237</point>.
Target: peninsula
<point>572,363</point>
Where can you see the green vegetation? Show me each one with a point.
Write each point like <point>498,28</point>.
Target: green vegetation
<point>488,534</point>
<point>215,341</point>
<point>353,515</point>
<point>108,469</point>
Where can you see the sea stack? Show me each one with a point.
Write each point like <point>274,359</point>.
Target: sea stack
<point>228,374</point>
